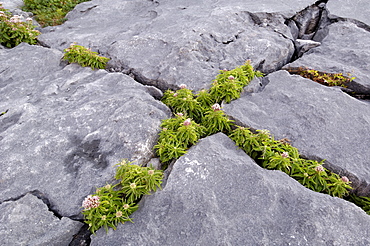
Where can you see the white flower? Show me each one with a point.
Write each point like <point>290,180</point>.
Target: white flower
<point>187,122</point>
<point>319,168</point>
<point>216,107</point>
<point>182,86</point>
<point>285,155</point>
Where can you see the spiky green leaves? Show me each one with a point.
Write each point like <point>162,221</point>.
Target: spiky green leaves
<point>200,115</point>
<point>280,155</point>
<point>177,135</point>
<point>229,84</point>
<point>113,204</point>
<point>85,57</point>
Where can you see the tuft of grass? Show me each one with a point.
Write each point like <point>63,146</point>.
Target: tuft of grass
<point>50,12</point>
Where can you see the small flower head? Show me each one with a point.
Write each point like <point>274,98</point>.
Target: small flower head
<point>108,186</point>
<point>182,86</point>
<point>180,114</point>
<point>216,107</point>
<point>231,77</point>
<point>119,214</point>
<point>133,185</point>
<point>151,172</point>
<point>345,179</point>
<point>91,202</point>
<point>175,95</point>
<point>319,168</point>
<point>29,19</point>
<point>104,217</point>
<point>285,154</point>
<point>187,122</point>
<point>126,206</point>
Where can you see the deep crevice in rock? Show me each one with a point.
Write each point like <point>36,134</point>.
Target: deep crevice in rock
<point>40,196</point>
<point>308,28</point>
<point>360,187</point>
<point>82,238</point>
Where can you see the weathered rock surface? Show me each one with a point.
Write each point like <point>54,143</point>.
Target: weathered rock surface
<point>217,195</point>
<point>320,121</point>
<point>27,221</point>
<point>346,49</point>
<point>357,10</point>
<point>168,43</point>
<point>66,128</point>
<point>12,4</point>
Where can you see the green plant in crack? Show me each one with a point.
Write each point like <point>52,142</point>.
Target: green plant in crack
<point>15,30</point>
<point>215,120</point>
<point>177,135</point>
<point>259,144</point>
<point>50,12</point>
<point>361,201</point>
<point>183,101</point>
<point>201,110</point>
<point>229,84</point>
<point>280,155</point>
<point>328,79</point>
<point>113,204</point>
<point>2,113</point>
<point>85,57</point>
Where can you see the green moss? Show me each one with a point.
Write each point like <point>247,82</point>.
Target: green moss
<point>328,79</point>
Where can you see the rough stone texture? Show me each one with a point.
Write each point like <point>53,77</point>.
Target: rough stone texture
<point>320,121</point>
<point>25,221</point>
<point>346,49</point>
<point>357,10</point>
<point>168,43</point>
<point>217,195</point>
<point>67,128</point>
<point>12,4</point>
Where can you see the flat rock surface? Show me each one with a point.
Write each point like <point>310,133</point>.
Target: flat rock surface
<point>217,195</point>
<point>320,121</point>
<point>25,221</point>
<point>65,130</point>
<point>357,10</point>
<point>169,43</point>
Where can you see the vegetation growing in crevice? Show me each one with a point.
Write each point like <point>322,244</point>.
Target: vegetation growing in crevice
<point>14,29</point>
<point>2,113</point>
<point>200,115</point>
<point>113,204</point>
<point>85,57</point>
<point>328,79</point>
<point>50,12</point>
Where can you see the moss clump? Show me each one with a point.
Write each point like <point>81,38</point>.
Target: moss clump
<point>328,79</point>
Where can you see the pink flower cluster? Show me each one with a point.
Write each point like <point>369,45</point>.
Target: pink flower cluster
<point>187,122</point>
<point>91,202</point>
<point>319,168</point>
